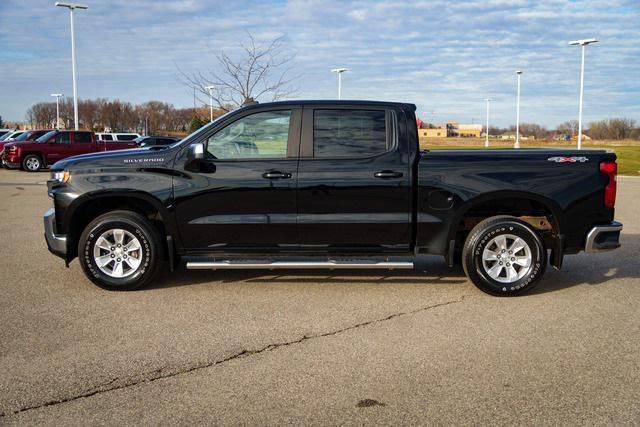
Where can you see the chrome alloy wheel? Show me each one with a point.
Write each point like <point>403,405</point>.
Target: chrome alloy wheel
<point>117,253</point>
<point>507,258</point>
<point>32,163</point>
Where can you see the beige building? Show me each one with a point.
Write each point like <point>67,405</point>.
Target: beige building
<point>469,131</point>
<point>432,133</point>
<point>451,129</point>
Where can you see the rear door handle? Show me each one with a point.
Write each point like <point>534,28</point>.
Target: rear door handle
<point>276,175</point>
<point>387,174</point>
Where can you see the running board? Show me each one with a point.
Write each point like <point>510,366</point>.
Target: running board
<point>331,265</point>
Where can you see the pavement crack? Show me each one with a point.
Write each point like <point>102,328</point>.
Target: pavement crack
<point>161,373</point>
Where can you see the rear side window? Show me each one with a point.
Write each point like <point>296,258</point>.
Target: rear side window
<point>82,138</point>
<point>349,133</point>
<point>126,137</point>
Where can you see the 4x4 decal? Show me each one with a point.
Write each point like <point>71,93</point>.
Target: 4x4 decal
<point>568,159</point>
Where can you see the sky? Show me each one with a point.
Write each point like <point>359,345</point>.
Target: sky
<point>444,56</point>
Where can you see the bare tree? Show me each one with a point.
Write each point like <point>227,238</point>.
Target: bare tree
<point>616,128</point>
<point>261,71</point>
<point>568,128</point>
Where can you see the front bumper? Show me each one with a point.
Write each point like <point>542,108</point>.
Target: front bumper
<point>57,243</point>
<point>12,162</point>
<point>603,237</point>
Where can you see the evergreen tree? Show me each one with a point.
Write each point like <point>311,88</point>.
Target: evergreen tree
<point>195,124</point>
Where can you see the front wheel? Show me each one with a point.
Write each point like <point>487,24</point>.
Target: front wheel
<point>120,250</point>
<point>32,163</point>
<point>504,256</point>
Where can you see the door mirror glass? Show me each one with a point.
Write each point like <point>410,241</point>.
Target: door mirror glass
<point>196,151</point>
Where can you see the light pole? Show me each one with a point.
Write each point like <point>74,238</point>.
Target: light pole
<point>339,71</point>
<point>486,135</point>
<point>209,89</point>
<point>57,95</point>
<point>582,43</point>
<point>517,144</point>
<point>71,7</point>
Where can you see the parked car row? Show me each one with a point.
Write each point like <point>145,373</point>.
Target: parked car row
<point>37,149</point>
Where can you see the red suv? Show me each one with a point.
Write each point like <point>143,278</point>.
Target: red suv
<point>53,146</point>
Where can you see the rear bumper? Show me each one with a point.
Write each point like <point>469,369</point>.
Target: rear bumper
<point>603,237</point>
<point>57,243</point>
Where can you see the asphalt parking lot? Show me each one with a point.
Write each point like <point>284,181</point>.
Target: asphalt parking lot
<point>314,347</point>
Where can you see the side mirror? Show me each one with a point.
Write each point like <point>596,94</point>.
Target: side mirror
<point>196,151</point>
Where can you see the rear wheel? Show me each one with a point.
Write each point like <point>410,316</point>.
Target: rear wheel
<point>120,250</point>
<point>32,163</point>
<point>504,256</point>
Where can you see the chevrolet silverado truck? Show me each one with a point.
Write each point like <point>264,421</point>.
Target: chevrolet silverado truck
<point>53,146</point>
<point>332,185</point>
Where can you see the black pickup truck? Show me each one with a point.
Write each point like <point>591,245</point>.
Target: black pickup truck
<point>328,184</point>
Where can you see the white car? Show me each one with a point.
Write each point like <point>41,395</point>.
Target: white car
<point>116,136</point>
<point>3,132</point>
<point>10,136</point>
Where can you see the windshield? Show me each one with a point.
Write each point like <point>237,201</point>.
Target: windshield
<point>202,129</point>
<point>139,139</point>
<point>24,136</point>
<point>9,135</point>
<point>46,136</point>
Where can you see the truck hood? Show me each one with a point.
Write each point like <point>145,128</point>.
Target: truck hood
<point>133,157</point>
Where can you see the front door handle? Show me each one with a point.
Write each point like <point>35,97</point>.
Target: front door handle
<point>387,174</point>
<point>276,175</point>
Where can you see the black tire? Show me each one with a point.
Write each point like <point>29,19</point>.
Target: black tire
<point>149,256</point>
<point>32,163</point>
<point>477,269</point>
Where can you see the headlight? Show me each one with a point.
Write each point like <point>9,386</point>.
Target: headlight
<point>62,176</point>
<point>13,148</point>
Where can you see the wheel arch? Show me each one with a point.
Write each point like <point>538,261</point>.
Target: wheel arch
<point>514,203</point>
<point>91,205</point>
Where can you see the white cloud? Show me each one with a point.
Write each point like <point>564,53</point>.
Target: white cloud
<point>444,56</point>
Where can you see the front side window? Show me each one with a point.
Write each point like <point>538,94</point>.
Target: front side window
<point>126,137</point>
<point>349,133</point>
<point>260,135</point>
<point>63,138</point>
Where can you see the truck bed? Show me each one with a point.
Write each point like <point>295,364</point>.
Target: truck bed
<point>565,183</point>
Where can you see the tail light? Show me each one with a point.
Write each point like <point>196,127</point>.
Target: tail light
<point>611,170</point>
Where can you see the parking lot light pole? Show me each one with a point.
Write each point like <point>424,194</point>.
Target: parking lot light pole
<point>209,89</point>
<point>517,144</point>
<point>72,7</point>
<point>57,95</point>
<point>486,135</point>
<point>582,43</point>
<point>339,71</point>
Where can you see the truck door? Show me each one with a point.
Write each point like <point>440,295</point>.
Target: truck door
<point>354,181</point>
<point>243,194</point>
<point>59,147</point>
<point>82,143</point>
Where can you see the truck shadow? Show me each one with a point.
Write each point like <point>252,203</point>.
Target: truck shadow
<point>581,269</point>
